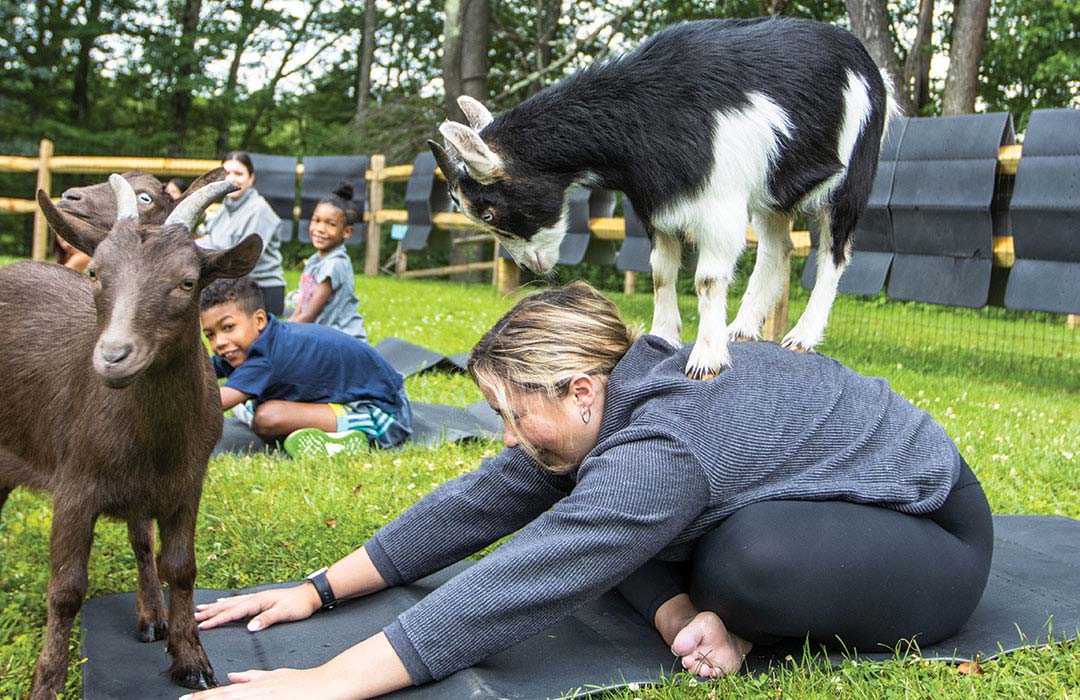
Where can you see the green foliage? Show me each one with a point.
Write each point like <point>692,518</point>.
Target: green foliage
<point>1032,57</point>
<point>270,518</point>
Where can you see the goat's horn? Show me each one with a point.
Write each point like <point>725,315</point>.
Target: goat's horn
<point>127,206</point>
<point>189,210</point>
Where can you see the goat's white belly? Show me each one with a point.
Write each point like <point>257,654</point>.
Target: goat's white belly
<point>745,144</point>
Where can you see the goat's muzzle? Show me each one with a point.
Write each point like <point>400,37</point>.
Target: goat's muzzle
<point>119,363</point>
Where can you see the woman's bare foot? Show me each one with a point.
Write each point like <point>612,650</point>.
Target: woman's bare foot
<point>707,647</point>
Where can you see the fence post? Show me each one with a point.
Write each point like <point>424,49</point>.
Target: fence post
<point>1072,321</point>
<point>629,285</point>
<point>507,274</point>
<point>39,246</point>
<point>776,323</point>
<point>375,202</point>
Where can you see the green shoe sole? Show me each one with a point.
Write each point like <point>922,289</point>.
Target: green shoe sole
<point>312,442</point>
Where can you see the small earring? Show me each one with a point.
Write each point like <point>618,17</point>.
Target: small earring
<point>586,415</point>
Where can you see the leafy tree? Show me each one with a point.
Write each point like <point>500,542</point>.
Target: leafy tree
<point>965,54</point>
<point>1032,57</point>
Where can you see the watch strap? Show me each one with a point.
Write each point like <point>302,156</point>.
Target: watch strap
<point>322,587</point>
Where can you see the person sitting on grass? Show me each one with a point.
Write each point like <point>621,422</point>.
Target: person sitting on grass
<point>321,390</point>
<point>243,212</point>
<point>789,497</point>
<point>327,287</point>
<point>175,188</point>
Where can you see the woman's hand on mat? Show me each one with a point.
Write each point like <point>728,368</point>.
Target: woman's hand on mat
<point>265,607</point>
<point>707,648</point>
<point>282,683</point>
<point>365,670</point>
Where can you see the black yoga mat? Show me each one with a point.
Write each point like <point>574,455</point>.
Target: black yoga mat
<point>409,359</point>
<point>432,423</point>
<point>1035,577</point>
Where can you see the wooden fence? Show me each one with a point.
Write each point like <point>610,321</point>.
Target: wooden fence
<point>504,272</point>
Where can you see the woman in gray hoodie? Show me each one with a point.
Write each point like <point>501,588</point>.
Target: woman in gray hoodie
<point>789,497</point>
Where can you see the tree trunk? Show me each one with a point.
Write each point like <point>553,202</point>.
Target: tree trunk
<point>451,61</point>
<point>185,71</point>
<point>475,41</point>
<point>367,57</point>
<point>80,93</point>
<point>968,37</point>
<point>870,22</point>
<point>917,65</point>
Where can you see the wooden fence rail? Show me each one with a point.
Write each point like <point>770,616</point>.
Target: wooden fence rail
<point>504,272</point>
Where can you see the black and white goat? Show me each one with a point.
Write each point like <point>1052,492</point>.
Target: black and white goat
<point>706,126</point>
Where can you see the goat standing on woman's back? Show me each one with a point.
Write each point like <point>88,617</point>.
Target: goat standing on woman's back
<point>705,125</point>
<point>112,407</point>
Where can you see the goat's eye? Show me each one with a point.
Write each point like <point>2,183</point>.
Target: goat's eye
<point>488,216</point>
<point>145,198</point>
<point>91,273</point>
<point>187,285</point>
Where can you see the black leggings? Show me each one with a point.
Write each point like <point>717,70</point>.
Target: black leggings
<point>866,575</point>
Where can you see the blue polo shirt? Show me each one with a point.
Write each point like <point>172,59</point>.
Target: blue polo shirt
<point>313,364</point>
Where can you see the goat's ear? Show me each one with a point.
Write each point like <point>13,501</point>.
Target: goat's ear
<point>481,162</point>
<point>233,262</point>
<point>451,171</point>
<point>215,175</point>
<point>85,237</point>
<point>477,114</point>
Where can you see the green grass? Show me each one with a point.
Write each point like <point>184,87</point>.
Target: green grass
<point>1015,413</point>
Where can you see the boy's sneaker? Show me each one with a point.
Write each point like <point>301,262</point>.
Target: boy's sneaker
<point>312,442</point>
<point>244,412</point>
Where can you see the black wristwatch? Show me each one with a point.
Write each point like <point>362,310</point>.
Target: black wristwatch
<point>322,587</point>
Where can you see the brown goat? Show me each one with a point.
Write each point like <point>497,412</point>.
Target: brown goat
<point>96,204</point>
<point>113,408</point>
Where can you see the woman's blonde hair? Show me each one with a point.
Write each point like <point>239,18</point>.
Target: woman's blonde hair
<point>547,338</point>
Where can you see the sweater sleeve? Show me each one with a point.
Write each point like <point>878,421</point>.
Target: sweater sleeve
<point>631,500</point>
<point>464,515</point>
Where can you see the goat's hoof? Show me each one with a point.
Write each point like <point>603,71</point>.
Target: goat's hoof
<point>153,632</point>
<point>741,337</point>
<point>796,346</point>
<point>196,678</point>
<point>702,374</point>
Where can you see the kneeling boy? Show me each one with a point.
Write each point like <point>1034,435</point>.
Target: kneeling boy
<point>301,376</point>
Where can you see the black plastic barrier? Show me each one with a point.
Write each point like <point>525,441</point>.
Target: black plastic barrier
<point>636,247</point>
<point>321,176</point>
<point>275,179</point>
<point>1045,214</point>
<point>944,208</point>
<point>424,195</point>
<point>579,244</point>
<point>872,247</point>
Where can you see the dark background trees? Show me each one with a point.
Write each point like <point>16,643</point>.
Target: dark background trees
<point>198,77</point>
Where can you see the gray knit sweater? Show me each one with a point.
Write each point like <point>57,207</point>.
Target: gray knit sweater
<point>674,458</point>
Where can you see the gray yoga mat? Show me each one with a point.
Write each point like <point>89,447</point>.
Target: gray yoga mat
<point>1035,578</point>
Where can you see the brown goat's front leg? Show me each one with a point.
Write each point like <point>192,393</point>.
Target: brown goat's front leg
<point>4,491</point>
<point>150,606</point>
<point>69,550</point>
<point>190,667</point>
